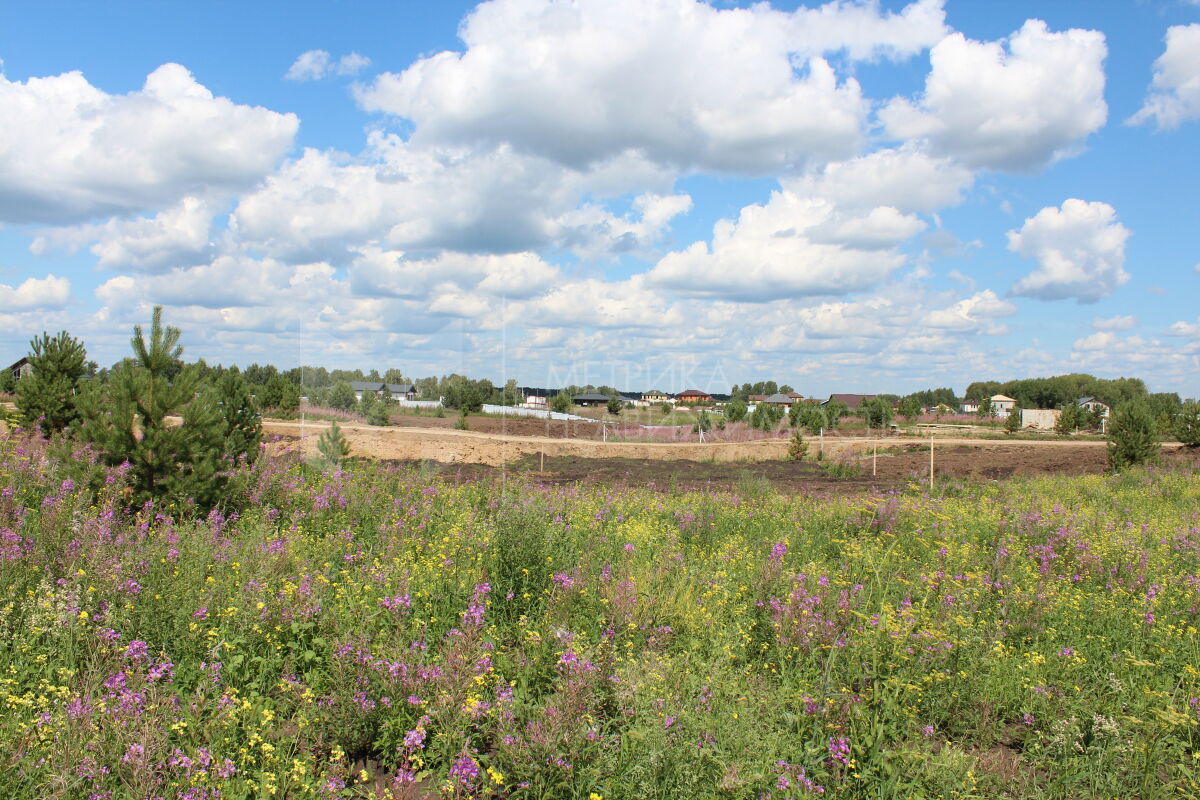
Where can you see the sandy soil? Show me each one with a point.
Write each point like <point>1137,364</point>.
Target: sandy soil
<point>898,455</point>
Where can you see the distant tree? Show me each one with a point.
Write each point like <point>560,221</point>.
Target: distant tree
<point>986,409</point>
<point>461,423</point>
<point>1013,423</point>
<point>385,397</point>
<point>8,383</point>
<point>664,407</point>
<point>614,405</point>
<point>333,446</point>
<point>1187,424</point>
<point>48,397</point>
<point>703,422</point>
<point>876,411</point>
<point>1068,420</point>
<point>1132,435</point>
<point>834,411</point>
<point>378,414</point>
<point>785,389</point>
<point>910,408</point>
<point>341,395</point>
<point>561,403</point>
<point>395,376</point>
<point>796,413</point>
<point>759,419</point>
<point>735,411</point>
<point>367,402</point>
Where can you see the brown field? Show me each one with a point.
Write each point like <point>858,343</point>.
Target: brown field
<point>479,454</point>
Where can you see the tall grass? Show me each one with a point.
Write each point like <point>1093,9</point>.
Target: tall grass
<point>373,631</point>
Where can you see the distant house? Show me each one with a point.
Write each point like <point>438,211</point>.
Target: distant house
<point>779,400</point>
<point>655,396</point>
<point>21,368</point>
<point>852,401</point>
<point>590,399</point>
<point>756,398</point>
<point>399,391</point>
<point>1091,404</point>
<point>795,396</point>
<point>536,401</point>
<point>1002,405</point>
<point>694,397</point>
<point>940,408</point>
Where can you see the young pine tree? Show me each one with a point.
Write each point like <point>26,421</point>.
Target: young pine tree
<point>131,420</point>
<point>1132,435</point>
<point>49,397</point>
<point>1187,424</point>
<point>333,446</point>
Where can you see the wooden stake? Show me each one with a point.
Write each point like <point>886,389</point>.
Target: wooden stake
<point>931,461</point>
<point>874,455</point>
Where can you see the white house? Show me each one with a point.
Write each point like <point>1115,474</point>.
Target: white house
<point>1002,405</point>
<point>969,406</point>
<point>1091,404</point>
<point>535,401</point>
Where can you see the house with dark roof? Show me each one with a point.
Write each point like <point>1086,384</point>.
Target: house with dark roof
<point>590,399</point>
<point>21,368</point>
<point>852,401</point>
<point>694,397</point>
<point>655,396</point>
<point>399,391</point>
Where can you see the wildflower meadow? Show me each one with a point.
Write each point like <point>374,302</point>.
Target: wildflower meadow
<point>372,631</point>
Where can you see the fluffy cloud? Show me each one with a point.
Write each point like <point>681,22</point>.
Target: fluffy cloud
<point>36,293</point>
<point>1008,108</point>
<point>69,151</point>
<point>600,304</point>
<point>905,178</point>
<point>1080,250</point>
<point>322,207</point>
<point>388,273</point>
<point>175,237</point>
<point>971,313</point>
<point>1175,95</point>
<point>313,65</point>
<point>793,246</point>
<point>1124,322</point>
<point>679,81</point>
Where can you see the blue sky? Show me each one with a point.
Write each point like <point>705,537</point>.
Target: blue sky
<point>846,197</point>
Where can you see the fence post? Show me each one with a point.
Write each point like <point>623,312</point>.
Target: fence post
<point>931,461</point>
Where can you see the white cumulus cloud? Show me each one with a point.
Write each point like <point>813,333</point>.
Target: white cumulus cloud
<point>794,245</point>
<point>1013,105</point>
<point>177,236</point>
<point>685,84</point>
<point>1079,248</point>
<point>1121,322</point>
<point>1175,90</point>
<point>312,65</point>
<point>49,292</point>
<point>70,151</point>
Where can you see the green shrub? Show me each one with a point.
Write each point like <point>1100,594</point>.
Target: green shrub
<point>333,446</point>
<point>1187,424</point>
<point>1132,436</point>
<point>47,397</point>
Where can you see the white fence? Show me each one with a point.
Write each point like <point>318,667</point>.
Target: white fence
<point>419,403</point>
<point>515,411</point>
